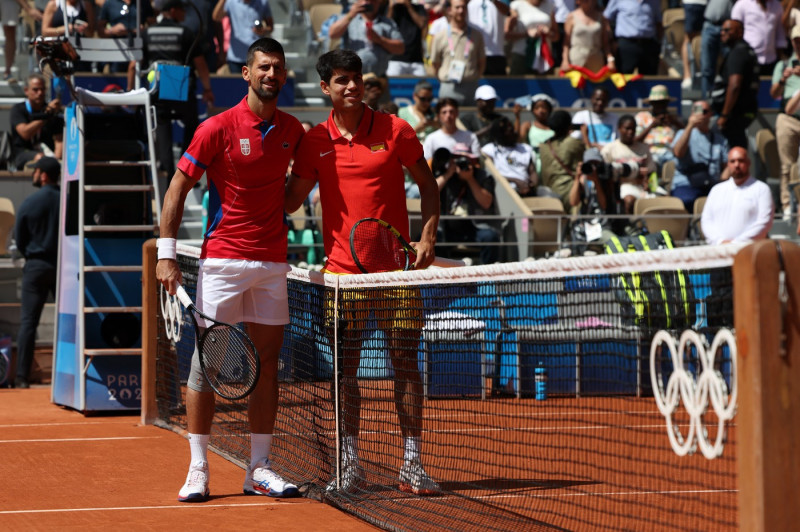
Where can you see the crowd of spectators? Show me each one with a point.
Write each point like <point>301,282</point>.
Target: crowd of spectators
<point>461,41</point>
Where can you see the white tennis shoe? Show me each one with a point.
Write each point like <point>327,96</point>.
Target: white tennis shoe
<point>414,479</point>
<point>262,480</point>
<point>353,479</point>
<point>195,489</point>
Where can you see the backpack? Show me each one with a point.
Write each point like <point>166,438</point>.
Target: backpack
<point>652,300</point>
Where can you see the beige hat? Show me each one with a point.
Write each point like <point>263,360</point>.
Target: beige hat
<point>795,32</point>
<point>659,93</point>
<point>371,77</point>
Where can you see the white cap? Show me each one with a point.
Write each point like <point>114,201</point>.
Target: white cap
<point>485,92</point>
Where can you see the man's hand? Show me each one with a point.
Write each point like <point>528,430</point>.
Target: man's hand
<point>425,254</point>
<point>722,122</point>
<point>168,273</point>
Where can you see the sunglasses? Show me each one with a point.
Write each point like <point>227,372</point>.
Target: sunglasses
<point>425,99</point>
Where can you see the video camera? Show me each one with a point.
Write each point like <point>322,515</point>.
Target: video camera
<point>592,161</point>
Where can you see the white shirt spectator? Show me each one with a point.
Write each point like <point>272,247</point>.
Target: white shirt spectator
<point>484,15</point>
<point>601,129</point>
<point>440,139</point>
<point>738,213</point>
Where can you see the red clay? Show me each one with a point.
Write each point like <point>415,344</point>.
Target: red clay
<point>66,471</point>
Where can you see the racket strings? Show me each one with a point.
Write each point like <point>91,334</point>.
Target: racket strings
<point>229,360</point>
<point>377,248</point>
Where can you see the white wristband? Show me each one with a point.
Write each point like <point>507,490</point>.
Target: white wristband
<point>166,248</point>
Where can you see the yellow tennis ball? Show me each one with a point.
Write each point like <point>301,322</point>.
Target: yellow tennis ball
<point>151,76</point>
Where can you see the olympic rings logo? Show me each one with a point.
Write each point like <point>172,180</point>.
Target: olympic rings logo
<point>172,313</point>
<point>695,392</point>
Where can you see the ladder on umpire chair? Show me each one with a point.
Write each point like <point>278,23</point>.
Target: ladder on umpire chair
<point>112,205</point>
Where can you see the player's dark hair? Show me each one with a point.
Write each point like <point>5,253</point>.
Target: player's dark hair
<point>338,59</point>
<point>446,102</point>
<point>265,45</point>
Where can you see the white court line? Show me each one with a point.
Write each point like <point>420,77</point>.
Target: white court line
<point>10,426</point>
<point>126,508</point>
<point>564,495</point>
<point>50,440</point>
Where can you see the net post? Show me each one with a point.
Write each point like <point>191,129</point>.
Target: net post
<point>768,424</point>
<point>149,332</point>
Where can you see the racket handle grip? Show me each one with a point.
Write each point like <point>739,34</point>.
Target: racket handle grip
<point>183,296</point>
<point>442,262</point>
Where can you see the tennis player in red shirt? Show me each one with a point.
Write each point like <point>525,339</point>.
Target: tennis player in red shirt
<point>244,152</point>
<point>357,156</point>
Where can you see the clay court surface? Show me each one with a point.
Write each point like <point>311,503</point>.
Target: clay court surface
<point>61,470</point>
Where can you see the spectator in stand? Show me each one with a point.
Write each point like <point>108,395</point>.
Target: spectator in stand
<point>514,160</point>
<point>480,122</point>
<point>80,21</point>
<point>9,13</point>
<point>169,41</point>
<point>763,29</point>
<point>538,131</point>
<point>563,9</point>
<point>791,15</point>
<point>785,83</point>
<point>374,90</point>
<point>627,150</point>
<point>701,155</point>
<point>657,127</point>
<point>449,135</point>
<point>735,94</point>
<point>36,124</point>
<point>489,17</point>
<point>439,19</point>
<point>692,24</point>
<point>36,234</point>
<point>458,56</point>
<point>80,18</point>
<point>738,209</point>
<point>597,127</point>
<point>716,12</point>
<point>639,32</point>
<point>532,24</point>
<point>117,18</point>
<point>587,38</point>
<point>420,114</point>
<point>466,193</point>
<point>374,37</point>
<point>249,20</point>
<point>561,156</point>
<point>412,22</point>
<point>590,196</point>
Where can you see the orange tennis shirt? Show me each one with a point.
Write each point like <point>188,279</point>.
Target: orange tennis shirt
<point>358,178</point>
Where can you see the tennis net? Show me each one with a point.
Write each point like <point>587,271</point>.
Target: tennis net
<point>622,433</point>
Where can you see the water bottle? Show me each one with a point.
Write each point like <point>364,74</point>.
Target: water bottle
<point>541,382</point>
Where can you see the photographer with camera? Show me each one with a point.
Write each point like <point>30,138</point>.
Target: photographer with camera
<point>702,155</point>
<point>630,163</point>
<point>466,192</point>
<point>36,124</point>
<point>375,38</point>
<point>590,192</point>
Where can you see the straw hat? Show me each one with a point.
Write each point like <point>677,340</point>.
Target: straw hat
<point>659,93</point>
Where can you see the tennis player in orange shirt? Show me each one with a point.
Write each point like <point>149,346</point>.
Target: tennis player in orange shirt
<point>357,156</point>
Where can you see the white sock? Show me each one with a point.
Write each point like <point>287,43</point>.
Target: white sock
<point>198,446</point>
<point>260,447</point>
<point>350,449</point>
<point>412,448</point>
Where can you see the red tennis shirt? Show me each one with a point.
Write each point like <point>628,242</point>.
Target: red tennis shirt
<point>245,160</point>
<point>358,178</point>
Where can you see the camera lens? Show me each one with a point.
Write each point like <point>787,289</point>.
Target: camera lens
<point>463,163</point>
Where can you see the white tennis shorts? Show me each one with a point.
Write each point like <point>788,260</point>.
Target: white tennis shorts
<point>233,291</point>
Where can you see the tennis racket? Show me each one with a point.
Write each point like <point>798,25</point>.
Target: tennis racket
<point>228,357</point>
<point>377,247</point>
